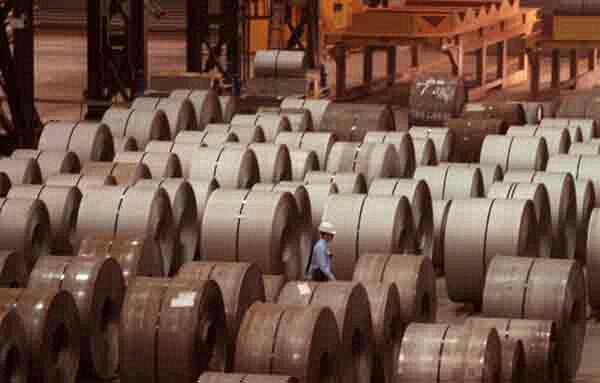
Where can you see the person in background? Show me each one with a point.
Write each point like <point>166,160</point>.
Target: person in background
<point>319,267</point>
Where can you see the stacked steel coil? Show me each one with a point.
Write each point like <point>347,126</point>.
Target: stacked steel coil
<point>579,130</point>
<point>351,122</point>
<point>319,142</point>
<point>160,165</point>
<point>91,141</point>
<point>434,99</point>
<point>179,111</point>
<point>580,166</point>
<point>13,270</point>
<point>51,163</point>
<point>353,183</point>
<point>515,152</point>
<point>207,107</point>
<point>443,140</point>
<point>21,171</point>
<point>557,140</point>
<point>271,124</point>
<point>451,182</point>
<point>511,113</point>
<point>125,144</point>
<point>425,152</point>
<point>124,173</point>
<point>300,118</point>
<point>372,160</point>
<point>142,125</point>
<point>469,135</point>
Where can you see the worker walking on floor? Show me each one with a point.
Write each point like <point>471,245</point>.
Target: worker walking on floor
<point>319,267</point>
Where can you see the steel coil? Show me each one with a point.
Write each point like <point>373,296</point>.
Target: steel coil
<point>588,128</point>
<point>230,167</point>
<point>515,152</point>
<point>319,196</point>
<point>351,122</point>
<point>180,112</point>
<point>80,181</point>
<point>581,167</point>
<point>403,143</point>
<point>5,184</point>
<point>97,285</point>
<point>185,152</point>
<point>269,328</point>
<point>575,105</point>
<point>593,259</point>
<point>350,305</point>
<point>280,63</point>
<point>443,140</point>
<point>52,330</point>
<point>91,141</point>
<point>273,286</point>
<point>21,171</point>
<point>246,134</point>
<point>368,224</point>
<point>418,194</point>
<point>118,211</point>
<point>271,124</point>
<point>259,227</point>
<point>424,152</point>
<point>51,163</point>
<point>557,140</point>
<point>451,182</point>
<point>550,289</point>
<point>575,131</point>
<point>317,108</point>
<point>585,148</point>
<point>489,173</point>
<point>124,173</point>
<point>143,125</point>
<point>371,160</point>
<point>63,206</point>
<point>319,142</point>
<point>346,183</point>
<point>435,98</point>
<point>274,162</point>
<point>160,165</point>
<point>14,356</point>
<point>13,271</point>
<point>25,228</point>
<point>510,113</point>
<point>478,230</point>
<point>440,210</point>
<point>125,144</point>
<point>137,257</point>
<point>218,139</point>
<point>469,135</point>
<point>535,112</point>
<point>216,377</point>
<point>300,118</point>
<point>207,107</point>
<point>303,162</point>
<point>230,106</point>
<point>171,330</point>
<point>190,137</point>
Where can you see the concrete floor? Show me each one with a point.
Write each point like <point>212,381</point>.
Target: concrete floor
<point>61,77</point>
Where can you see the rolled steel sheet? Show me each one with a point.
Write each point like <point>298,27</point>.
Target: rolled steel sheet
<point>351,122</point>
<point>230,106</point>
<point>300,118</point>
<point>218,139</point>
<point>557,140</point>
<point>241,285</point>
<point>588,128</point>
<point>5,184</point>
<point>273,286</point>
<point>51,163</point>
<point>52,330</point>
<point>216,377</point>
<point>346,183</point>
<point>124,173</point>
<point>172,329</point>
<point>483,356</point>
<point>248,133</point>
<point>469,135</point>
<point>593,259</point>
<point>160,165</point>
<point>269,328</point>
<point>129,211</point>
<point>21,171</point>
<point>413,276</point>
<point>230,167</point>
<point>190,137</point>
<point>271,124</point>
<point>424,152</point>
<point>403,143</point>
<point>350,305</point>
<point>320,142</point>
<point>280,63</point>
<point>98,287</point>
<point>179,111</point>
<point>510,113</point>
<point>585,148</point>
<point>63,207</point>
<point>13,271</point>
<point>489,173</point>
<point>535,112</point>
<point>420,356</point>
<point>575,105</point>
<point>13,352</point>
<point>550,289</point>
<point>142,125</point>
<point>513,362</point>
<point>319,196</point>
<point>185,152</point>
<point>136,256</point>
<point>91,141</point>
<point>478,231</point>
<point>25,228</point>
<point>207,107</point>
<point>317,108</point>
<point>274,162</point>
<point>451,182</point>
<point>81,181</point>
<point>436,98</point>
<point>590,169</point>
<point>372,160</point>
<point>443,140</point>
<point>125,144</point>
<point>440,210</point>
<point>515,152</point>
<point>303,162</point>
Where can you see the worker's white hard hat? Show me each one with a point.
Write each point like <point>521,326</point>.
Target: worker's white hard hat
<point>327,228</point>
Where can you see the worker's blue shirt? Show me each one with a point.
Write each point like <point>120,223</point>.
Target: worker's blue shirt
<point>321,260</point>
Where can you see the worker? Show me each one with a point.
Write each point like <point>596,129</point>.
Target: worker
<point>319,267</point>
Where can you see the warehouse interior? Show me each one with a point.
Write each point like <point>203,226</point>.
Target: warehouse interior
<point>170,171</point>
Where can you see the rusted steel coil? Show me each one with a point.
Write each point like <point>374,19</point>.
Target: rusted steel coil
<point>510,113</point>
<point>425,154</point>
<point>317,109</point>
<point>185,216</point>
<point>25,228</point>
<point>351,122</point>
<point>160,165</point>
<point>171,329</point>
<point>405,149</point>
<point>80,181</point>
<point>346,183</point>
<point>91,141</point>
<point>350,305</point>
<point>97,285</point>
<point>319,196</point>
<point>136,256</point>
<point>585,148</point>
<point>271,124</point>
<point>593,259</point>
<point>469,135</point>
<point>125,144</point>
<point>179,112</point>
<point>21,171</point>
<point>251,226</point>
<point>129,211</point>
<point>441,352</point>
<point>515,152</point>
<point>451,182</point>
<point>246,134</point>
<point>478,230</point>
<point>53,332</point>
<point>63,206</point>
<point>418,194</point>
<point>14,356</point>
<point>273,286</point>
<point>124,173</point>
<point>538,195</point>
<point>13,271</point>
<point>230,167</point>
<point>413,276</point>
<point>241,285</point>
<point>270,328</point>
<point>367,223</point>
<point>5,184</point>
<point>230,106</point>
<point>550,289</point>
<point>372,160</point>
<point>320,142</point>
<point>300,118</point>
<point>435,98</point>
<point>443,140</point>
<point>538,341</point>
<point>51,163</point>
<point>563,208</point>
<point>440,210</point>
<point>274,162</point>
<point>207,107</point>
<point>575,128</point>
<point>219,377</point>
<point>581,167</point>
<point>303,162</point>
<point>143,125</point>
<point>558,141</point>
